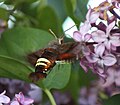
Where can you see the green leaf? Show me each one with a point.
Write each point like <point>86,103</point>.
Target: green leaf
<point>2,0</point>
<point>114,100</point>
<point>48,19</point>
<point>81,9</point>
<point>4,14</point>
<point>76,9</point>
<point>70,8</point>
<point>15,44</point>
<point>20,41</point>
<point>18,2</point>
<point>73,85</point>
<point>58,77</point>
<point>118,24</point>
<point>29,9</point>
<point>58,6</point>
<point>12,68</point>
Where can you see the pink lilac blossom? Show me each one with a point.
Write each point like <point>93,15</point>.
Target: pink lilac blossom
<point>20,99</point>
<point>63,98</point>
<point>35,93</point>
<point>82,35</point>
<point>102,9</point>
<point>85,64</point>
<point>100,59</point>
<point>108,88</point>
<point>92,16</point>
<point>89,96</point>
<point>117,5</point>
<point>113,77</point>
<point>107,38</point>
<point>12,86</point>
<point>108,6</point>
<point>101,53</point>
<point>4,99</point>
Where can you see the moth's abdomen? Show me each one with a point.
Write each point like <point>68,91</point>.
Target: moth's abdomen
<point>42,65</point>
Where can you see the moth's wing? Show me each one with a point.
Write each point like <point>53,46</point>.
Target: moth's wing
<point>76,48</point>
<point>33,57</point>
<point>67,47</point>
<point>69,51</point>
<point>66,57</point>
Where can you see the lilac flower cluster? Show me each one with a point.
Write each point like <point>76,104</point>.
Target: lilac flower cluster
<point>13,86</point>
<point>89,96</point>
<point>19,99</point>
<point>63,98</point>
<point>100,47</point>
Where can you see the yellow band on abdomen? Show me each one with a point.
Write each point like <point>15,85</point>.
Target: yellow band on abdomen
<point>43,60</point>
<point>41,64</point>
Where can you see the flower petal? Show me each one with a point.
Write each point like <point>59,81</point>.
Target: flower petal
<point>92,58</point>
<point>117,5</point>
<point>109,28</point>
<point>115,40</point>
<point>110,77</point>
<point>77,36</point>
<point>3,93</point>
<point>117,78</point>
<point>100,65</point>
<point>99,36</point>
<point>28,101</point>
<point>99,49</point>
<point>88,13</point>
<point>113,48</point>
<point>86,50</point>
<point>116,34</point>
<point>20,97</point>
<point>24,101</point>
<point>117,81</point>
<point>109,60</point>
<point>93,17</point>
<point>4,99</point>
<point>103,75</point>
<point>14,103</point>
<point>82,64</point>
<point>108,44</point>
<point>87,37</point>
<point>85,28</point>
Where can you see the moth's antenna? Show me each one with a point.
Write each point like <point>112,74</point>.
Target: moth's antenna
<point>70,28</point>
<point>53,33</point>
<point>64,31</point>
<point>60,40</point>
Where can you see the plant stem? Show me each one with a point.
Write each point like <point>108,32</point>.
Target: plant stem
<point>50,96</point>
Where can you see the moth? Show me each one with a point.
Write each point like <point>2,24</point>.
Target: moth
<point>45,59</point>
